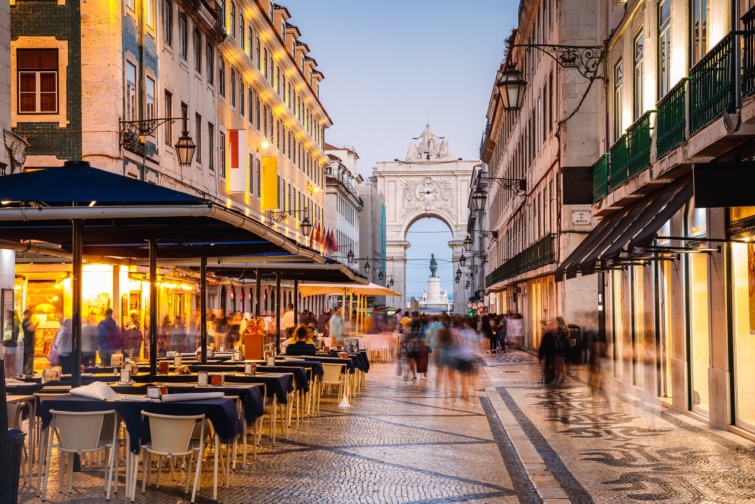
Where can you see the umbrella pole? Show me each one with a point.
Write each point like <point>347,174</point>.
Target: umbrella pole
<point>203,307</point>
<point>152,308</point>
<point>277,312</point>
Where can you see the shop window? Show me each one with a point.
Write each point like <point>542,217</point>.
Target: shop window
<point>617,310</point>
<point>638,326</point>
<point>743,327</point>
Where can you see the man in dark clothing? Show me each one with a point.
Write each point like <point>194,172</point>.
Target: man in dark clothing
<point>308,318</point>
<point>547,352</point>
<point>301,347</point>
<point>322,323</point>
<point>108,338</point>
<point>28,326</point>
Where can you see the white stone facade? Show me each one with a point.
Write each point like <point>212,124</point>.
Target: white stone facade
<point>372,233</point>
<point>342,203</point>
<point>419,187</point>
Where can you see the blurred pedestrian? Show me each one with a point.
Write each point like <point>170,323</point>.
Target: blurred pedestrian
<point>546,353</point>
<point>562,349</point>
<point>89,342</point>
<point>11,330</point>
<point>29,326</point>
<point>109,339</point>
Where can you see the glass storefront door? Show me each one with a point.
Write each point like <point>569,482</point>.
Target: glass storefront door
<point>617,310</point>
<point>699,330</point>
<point>638,327</point>
<point>743,292</point>
<point>664,328</point>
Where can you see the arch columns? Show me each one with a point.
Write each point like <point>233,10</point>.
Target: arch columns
<point>395,252</point>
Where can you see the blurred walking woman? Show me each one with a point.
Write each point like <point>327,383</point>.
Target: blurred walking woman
<point>10,342</point>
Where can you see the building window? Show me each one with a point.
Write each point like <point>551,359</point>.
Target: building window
<point>221,144</point>
<point>211,145</point>
<point>639,71</point>
<point>197,50</point>
<point>664,47</point>
<point>264,64</point>
<point>233,87</point>
<point>259,178</point>
<point>242,37</point>
<point>210,57</point>
<point>699,27</point>
<point>150,111</point>
<point>130,4</point>
<point>251,174</point>
<point>257,110</point>
<point>149,7</point>
<point>221,76</point>
<point>168,113</point>
<point>250,105</point>
<point>168,22</point>
<point>233,20</point>
<point>250,42</point>
<point>38,80</point>
<point>183,33</point>
<point>550,102</point>
<point>241,96</point>
<point>618,83</point>
<point>130,113</point>
<point>198,135</point>
<point>259,60</point>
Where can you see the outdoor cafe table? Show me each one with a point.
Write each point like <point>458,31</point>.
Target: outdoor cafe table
<point>220,411</point>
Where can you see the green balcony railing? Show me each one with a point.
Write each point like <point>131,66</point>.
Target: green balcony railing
<point>711,86</point>
<point>638,143</point>
<point>617,169</point>
<point>600,177</point>
<point>671,120</point>
<point>541,253</point>
<point>748,53</point>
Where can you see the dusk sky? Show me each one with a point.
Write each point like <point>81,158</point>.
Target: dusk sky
<point>388,65</point>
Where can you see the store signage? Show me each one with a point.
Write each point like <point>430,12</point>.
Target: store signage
<point>238,172</point>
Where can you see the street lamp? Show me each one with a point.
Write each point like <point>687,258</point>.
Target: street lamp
<point>380,275</point>
<point>367,266</point>
<point>478,199</point>
<point>511,85</point>
<point>132,135</point>
<point>468,244</point>
<point>350,256</point>
<point>390,284</point>
<point>305,225</point>
<point>462,260</point>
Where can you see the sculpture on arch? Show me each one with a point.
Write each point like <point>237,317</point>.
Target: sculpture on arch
<point>431,147</point>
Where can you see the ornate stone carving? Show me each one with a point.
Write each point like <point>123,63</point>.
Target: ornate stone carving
<point>431,147</point>
<point>428,195</point>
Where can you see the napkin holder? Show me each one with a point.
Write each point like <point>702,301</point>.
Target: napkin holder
<point>116,360</point>
<point>125,376</point>
<point>202,378</point>
<point>49,375</point>
<point>250,369</point>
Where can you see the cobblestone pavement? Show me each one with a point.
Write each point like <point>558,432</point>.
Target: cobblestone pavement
<point>609,448</point>
<point>516,442</point>
<point>398,443</point>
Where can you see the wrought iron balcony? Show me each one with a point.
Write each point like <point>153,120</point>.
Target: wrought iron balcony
<point>540,254</point>
<point>638,143</point>
<point>617,169</point>
<point>671,121</point>
<point>712,83</point>
<point>600,177</point>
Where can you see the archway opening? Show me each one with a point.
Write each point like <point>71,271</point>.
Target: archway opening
<point>428,236</point>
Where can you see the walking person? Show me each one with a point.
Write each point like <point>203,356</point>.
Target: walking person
<point>64,343</point>
<point>133,335</point>
<point>335,325</point>
<point>501,333</point>
<point>11,331</point>
<point>547,352</point>
<point>108,338</point>
<point>488,333</point>
<point>88,343</point>
<point>28,326</point>
<point>413,343</point>
<point>561,349</point>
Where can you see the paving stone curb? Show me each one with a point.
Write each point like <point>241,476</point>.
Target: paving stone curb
<point>542,479</point>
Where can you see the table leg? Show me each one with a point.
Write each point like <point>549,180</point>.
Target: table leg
<point>244,433</point>
<point>215,470</point>
<point>274,422</point>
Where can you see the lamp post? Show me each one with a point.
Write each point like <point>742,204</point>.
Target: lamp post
<point>367,266</point>
<point>305,225</point>
<point>132,135</point>
<point>468,244</point>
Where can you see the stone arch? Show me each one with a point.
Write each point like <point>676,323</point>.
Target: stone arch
<point>430,214</point>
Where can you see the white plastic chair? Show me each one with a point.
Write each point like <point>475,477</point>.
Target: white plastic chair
<point>171,436</point>
<point>332,376</point>
<point>78,432</point>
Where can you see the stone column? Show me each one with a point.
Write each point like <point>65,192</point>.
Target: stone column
<point>396,251</point>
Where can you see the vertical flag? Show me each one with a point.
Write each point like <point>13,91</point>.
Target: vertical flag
<point>238,172</point>
<point>269,183</point>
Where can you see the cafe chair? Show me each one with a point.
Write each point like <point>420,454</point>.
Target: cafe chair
<point>38,438</point>
<point>171,436</point>
<point>332,375</point>
<point>78,432</point>
<point>15,418</point>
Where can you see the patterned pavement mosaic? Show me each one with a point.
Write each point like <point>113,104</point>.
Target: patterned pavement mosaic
<point>605,448</point>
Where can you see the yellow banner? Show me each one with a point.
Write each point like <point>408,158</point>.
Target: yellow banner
<point>269,183</point>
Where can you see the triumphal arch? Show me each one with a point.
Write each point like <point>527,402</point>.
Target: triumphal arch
<point>429,182</point>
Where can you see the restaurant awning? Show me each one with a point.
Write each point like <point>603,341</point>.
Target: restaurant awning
<point>243,268</point>
<point>625,229</point>
<point>121,214</point>
<point>346,288</point>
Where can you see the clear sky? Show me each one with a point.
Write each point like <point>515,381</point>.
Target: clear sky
<point>388,64</point>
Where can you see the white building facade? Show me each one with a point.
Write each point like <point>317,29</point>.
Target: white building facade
<point>343,205</point>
